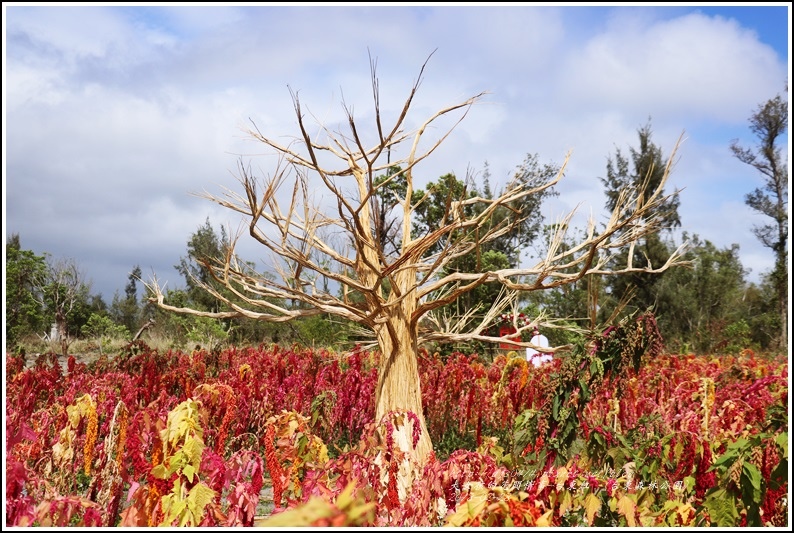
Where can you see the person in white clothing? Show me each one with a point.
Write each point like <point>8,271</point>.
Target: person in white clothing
<point>537,357</point>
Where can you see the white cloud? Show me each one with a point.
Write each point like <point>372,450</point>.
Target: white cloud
<point>693,66</point>
<point>115,115</point>
<point>58,29</point>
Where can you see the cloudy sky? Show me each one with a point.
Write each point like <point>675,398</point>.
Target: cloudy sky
<point>114,116</point>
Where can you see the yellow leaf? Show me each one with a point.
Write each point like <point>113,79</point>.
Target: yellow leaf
<point>193,449</point>
<point>626,507</point>
<point>678,450</point>
<point>543,483</point>
<point>173,508</point>
<point>197,500</point>
<point>302,515</point>
<point>160,472</point>
<point>562,477</point>
<point>592,505</point>
<point>686,512</point>
<point>472,507</point>
<point>182,422</point>
<point>648,520</point>
<point>565,502</point>
<point>73,412</point>
<point>321,451</point>
<point>545,519</point>
<point>189,471</point>
<point>345,497</point>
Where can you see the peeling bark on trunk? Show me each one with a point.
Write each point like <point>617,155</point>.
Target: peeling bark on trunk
<point>399,389</point>
<point>398,386</point>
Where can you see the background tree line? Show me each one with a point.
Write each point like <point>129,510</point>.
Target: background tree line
<point>709,307</point>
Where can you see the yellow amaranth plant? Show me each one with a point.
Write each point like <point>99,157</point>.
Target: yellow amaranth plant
<point>122,439</point>
<point>183,445</point>
<point>90,432</point>
<point>614,411</point>
<point>154,502</point>
<point>62,451</point>
<point>501,390</point>
<point>110,480</point>
<point>524,373</point>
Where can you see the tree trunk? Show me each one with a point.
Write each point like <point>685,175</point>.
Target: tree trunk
<point>63,332</point>
<point>398,386</point>
<point>399,389</point>
<point>149,323</point>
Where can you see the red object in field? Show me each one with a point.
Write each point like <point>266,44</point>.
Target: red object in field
<point>504,331</point>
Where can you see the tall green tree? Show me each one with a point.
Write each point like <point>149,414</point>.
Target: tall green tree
<point>205,248</point>
<point>769,124</point>
<point>697,306</point>
<point>433,211</point>
<point>204,245</point>
<point>25,272</point>
<point>645,166</point>
<point>522,221</point>
<point>126,311</point>
<point>760,311</point>
<point>532,174</point>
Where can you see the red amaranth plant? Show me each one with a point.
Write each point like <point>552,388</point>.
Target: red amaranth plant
<point>461,394</point>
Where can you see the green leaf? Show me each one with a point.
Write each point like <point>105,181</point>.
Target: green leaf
<point>189,471</point>
<point>731,453</point>
<point>782,442</point>
<point>197,500</point>
<point>665,455</point>
<point>751,493</point>
<point>668,506</point>
<point>722,509</point>
<point>565,502</point>
<point>160,472</point>
<point>585,394</point>
<point>779,475</point>
<point>621,439</point>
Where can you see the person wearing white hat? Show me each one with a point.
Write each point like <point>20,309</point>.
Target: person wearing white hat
<point>538,357</point>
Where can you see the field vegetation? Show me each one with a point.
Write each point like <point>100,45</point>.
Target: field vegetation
<point>604,435</point>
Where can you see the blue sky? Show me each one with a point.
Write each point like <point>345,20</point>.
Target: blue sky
<point>113,116</point>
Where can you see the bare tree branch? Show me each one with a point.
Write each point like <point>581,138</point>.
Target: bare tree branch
<point>395,294</point>
<point>295,236</point>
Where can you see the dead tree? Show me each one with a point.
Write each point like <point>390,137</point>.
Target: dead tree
<point>397,295</point>
<point>148,324</point>
<point>62,289</point>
